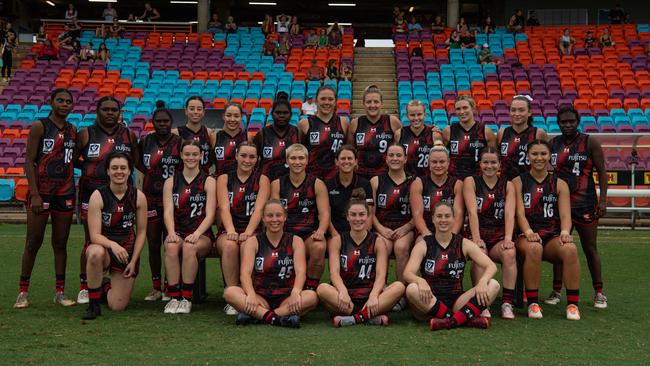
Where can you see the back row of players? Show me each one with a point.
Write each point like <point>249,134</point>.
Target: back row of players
<point>400,171</point>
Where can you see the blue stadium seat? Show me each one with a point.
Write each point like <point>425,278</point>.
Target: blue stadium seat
<point>7,187</point>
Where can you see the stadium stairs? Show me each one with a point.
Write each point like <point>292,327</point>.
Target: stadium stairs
<point>374,66</point>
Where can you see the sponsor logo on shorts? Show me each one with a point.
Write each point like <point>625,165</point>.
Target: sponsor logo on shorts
<point>259,264</point>
<point>152,213</point>
<point>429,266</point>
<point>46,205</point>
<point>68,203</point>
<point>48,145</point>
<point>93,150</point>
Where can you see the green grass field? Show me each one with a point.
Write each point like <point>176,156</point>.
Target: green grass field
<point>49,334</point>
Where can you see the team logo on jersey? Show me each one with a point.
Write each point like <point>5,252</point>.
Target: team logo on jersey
<point>259,264</point>
<point>48,145</point>
<point>219,151</point>
<point>360,138</point>
<point>274,254</point>
<point>230,195</point>
<point>267,153</point>
<point>553,159</point>
<point>120,208</point>
<point>93,150</point>
<point>444,257</point>
<point>314,138</point>
<point>453,147</point>
<point>427,202</point>
<point>344,262</point>
<point>145,159</point>
<point>175,199</point>
<point>479,203</point>
<point>381,200</point>
<point>491,196</point>
<point>527,200</point>
<point>111,141</point>
<point>429,266</point>
<point>504,148</point>
<point>106,218</point>
<point>540,190</point>
<point>284,202</point>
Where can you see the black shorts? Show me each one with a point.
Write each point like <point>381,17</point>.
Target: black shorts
<point>118,266</point>
<point>448,299</point>
<point>54,204</point>
<point>358,303</point>
<point>86,190</point>
<point>584,216</point>
<point>274,301</point>
<point>154,211</point>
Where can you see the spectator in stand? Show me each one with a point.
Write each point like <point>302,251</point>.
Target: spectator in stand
<point>438,26</point>
<point>454,40</point>
<point>150,13</point>
<point>606,39</point>
<point>309,107</point>
<point>332,70</point>
<point>567,42</point>
<point>488,25</point>
<point>400,26</point>
<point>41,36</point>
<point>335,25</point>
<point>462,26</point>
<point>627,19</point>
<point>231,26</point>
<point>65,39</point>
<point>516,22</point>
<point>467,39</point>
<point>103,54</point>
<point>100,31</point>
<point>215,25</point>
<point>87,53</point>
<point>116,29</point>
<point>283,47</point>
<point>312,39</point>
<point>283,22</point>
<point>268,25</point>
<point>414,26</point>
<point>346,72</point>
<point>294,26</point>
<point>8,47</point>
<point>322,39</point>
<point>76,52</point>
<point>131,18</point>
<point>109,14</point>
<point>334,39</point>
<point>270,47</point>
<point>590,41</point>
<point>71,13</point>
<point>616,15</point>
<point>485,56</point>
<point>48,52</point>
<point>397,13</point>
<point>315,72</point>
<point>533,21</point>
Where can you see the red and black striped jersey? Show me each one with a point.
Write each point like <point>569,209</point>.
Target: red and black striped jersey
<point>490,207</point>
<point>225,150</point>
<point>514,151</point>
<point>119,216</point>
<point>54,165</point>
<point>541,204</point>
<point>274,160</point>
<point>417,150</point>
<point>190,199</point>
<point>573,163</point>
<point>242,196</point>
<point>300,201</point>
<point>393,207</point>
<point>203,137</point>
<point>433,193</point>
<point>464,147</point>
<point>323,141</point>
<point>444,268</point>
<point>100,144</point>
<point>358,264</point>
<point>372,141</point>
<point>161,162</point>
<point>273,273</point>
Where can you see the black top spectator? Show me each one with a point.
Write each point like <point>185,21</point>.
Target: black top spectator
<point>516,23</point>
<point>109,13</point>
<point>41,36</point>
<point>294,26</point>
<point>533,21</point>
<point>231,26</point>
<point>488,25</point>
<point>215,25</point>
<point>71,13</point>
<point>461,26</point>
<point>590,41</point>
<point>467,39</point>
<point>150,13</point>
<point>617,14</point>
<point>438,26</point>
<point>116,30</point>
<point>267,25</point>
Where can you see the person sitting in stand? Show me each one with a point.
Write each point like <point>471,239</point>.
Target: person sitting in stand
<point>332,70</point>
<point>312,39</point>
<point>438,26</point>
<point>606,39</point>
<point>346,72</point>
<point>454,40</point>
<point>215,25</point>
<point>315,72</point>
<point>467,39</point>
<point>590,41</point>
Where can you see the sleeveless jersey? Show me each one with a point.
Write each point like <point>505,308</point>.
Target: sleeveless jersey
<point>514,151</point>
<point>323,140</point>
<point>444,268</point>
<point>433,193</point>
<point>417,150</point>
<point>224,151</point>
<point>358,264</point>
<point>274,160</point>
<point>100,144</point>
<point>203,137</point>
<point>161,162</point>
<point>541,205</point>
<point>372,141</point>
<point>242,196</point>
<point>573,164</point>
<point>393,208</point>
<point>119,216</point>
<point>300,201</point>
<point>273,273</point>
<point>464,147</point>
<point>189,202</point>
<point>54,166</point>
<point>490,206</point>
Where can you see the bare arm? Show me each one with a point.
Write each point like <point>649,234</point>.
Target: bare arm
<point>469,195</point>
<point>224,204</point>
<point>303,129</point>
<point>323,206</point>
<point>210,206</point>
<point>417,206</point>
<point>481,259</point>
<point>299,264</point>
<point>490,137</point>
<point>247,259</point>
<point>275,189</point>
<point>459,208</point>
<point>446,133</point>
<point>334,250</point>
<point>33,141</point>
<point>262,197</point>
<point>141,226</point>
<point>564,206</point>
<point>168,206</point>
<point>413,266</point>
<point>599,162</point>
<point>520,211</point>
<point>382,267</point>
<point>352,130</point>
<point>509,211</point>
<point>396,126</point>
<point>541,134</point>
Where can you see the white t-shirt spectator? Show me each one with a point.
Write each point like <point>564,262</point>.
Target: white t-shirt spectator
<point>309,109</point>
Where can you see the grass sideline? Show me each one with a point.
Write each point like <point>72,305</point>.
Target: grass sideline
<point>49,334</point>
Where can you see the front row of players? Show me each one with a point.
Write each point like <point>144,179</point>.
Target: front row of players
<point>277,279</point>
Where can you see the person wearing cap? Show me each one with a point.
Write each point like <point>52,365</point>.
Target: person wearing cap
<point>309,106</point>
<point>485,56</point>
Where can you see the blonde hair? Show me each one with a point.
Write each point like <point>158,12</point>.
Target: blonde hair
<point>296,148</point>
<point>373,89</point>
<point>438,148</point>
<point>467,98</point>
<point>416,103</point>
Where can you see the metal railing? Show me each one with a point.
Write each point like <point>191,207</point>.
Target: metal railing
<point>52,25</point>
